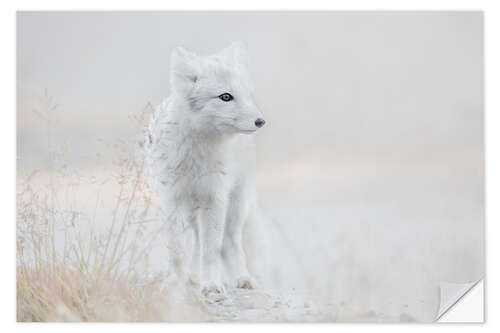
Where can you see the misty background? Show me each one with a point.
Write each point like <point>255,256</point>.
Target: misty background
<point>371,163</point>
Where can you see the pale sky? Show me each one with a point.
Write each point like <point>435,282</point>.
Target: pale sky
<point>333,82</point>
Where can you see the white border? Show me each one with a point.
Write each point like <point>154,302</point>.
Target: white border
<point>7,132</point>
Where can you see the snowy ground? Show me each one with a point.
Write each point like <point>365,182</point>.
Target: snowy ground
<point>294,306</point>
<point>358,253</point>
<point>269,306</point>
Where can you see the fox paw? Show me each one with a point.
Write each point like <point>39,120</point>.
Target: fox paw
<point>246,282</point>
<point>210,288</point>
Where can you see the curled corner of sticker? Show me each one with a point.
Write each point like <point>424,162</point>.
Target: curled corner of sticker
<point>451,293</point>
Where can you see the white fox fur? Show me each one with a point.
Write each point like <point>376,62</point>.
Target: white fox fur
<point>201,159</point>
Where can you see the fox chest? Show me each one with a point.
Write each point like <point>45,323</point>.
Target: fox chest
<point>199,181</point>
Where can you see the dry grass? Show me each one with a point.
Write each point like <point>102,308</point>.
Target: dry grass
<point>67,270</point>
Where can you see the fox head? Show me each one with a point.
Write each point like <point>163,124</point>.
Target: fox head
<point>217,91</point>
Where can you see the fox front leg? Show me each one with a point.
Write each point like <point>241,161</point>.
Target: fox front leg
<point>233,253</point>
<point>211,229</point>
<point>194,270</point>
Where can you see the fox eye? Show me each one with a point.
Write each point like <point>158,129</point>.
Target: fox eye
<point>226,97</point>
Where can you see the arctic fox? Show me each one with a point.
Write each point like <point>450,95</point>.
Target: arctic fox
<point>201,159</point>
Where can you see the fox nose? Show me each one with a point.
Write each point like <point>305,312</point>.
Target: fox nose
<point>260,122</point>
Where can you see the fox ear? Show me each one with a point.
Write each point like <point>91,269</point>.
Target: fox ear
<point>235,54</point>
<point>184,69</point>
